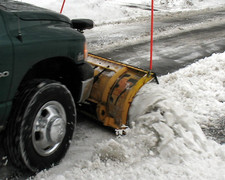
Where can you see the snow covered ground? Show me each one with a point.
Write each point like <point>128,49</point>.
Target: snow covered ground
<point>166,141</point>
<point>111,11</point>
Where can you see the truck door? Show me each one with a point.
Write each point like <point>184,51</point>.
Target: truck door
<point>6,60</point>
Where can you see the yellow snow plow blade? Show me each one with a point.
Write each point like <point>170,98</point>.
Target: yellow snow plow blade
<point>114,88</point>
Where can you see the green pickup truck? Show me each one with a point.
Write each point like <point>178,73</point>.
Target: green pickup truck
<point>43,74</point>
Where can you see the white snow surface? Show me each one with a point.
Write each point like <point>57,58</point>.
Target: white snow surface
<point>111,11</point>
<point>166,140</point>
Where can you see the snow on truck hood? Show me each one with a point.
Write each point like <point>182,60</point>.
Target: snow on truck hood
<point>30,12</point>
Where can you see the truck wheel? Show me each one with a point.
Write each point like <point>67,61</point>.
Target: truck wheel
<point>41,125</point>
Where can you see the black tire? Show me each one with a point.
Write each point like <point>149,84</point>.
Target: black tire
<point>40,110</point>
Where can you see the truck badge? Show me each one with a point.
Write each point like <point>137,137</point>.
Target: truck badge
<point>4,74</point>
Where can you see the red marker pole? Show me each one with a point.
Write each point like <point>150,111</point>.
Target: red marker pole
<point>62,6</point>
<point>151,44</point>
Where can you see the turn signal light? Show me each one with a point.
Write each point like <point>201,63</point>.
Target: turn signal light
<point>85,51</point>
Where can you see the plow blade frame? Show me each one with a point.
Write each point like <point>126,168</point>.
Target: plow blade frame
<point>115,85</point>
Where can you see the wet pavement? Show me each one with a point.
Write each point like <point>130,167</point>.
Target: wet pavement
<point>176,50</point>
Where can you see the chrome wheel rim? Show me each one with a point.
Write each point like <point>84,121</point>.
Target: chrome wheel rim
<point>49,128</point>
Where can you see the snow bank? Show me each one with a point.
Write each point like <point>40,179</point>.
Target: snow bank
<point>108,11</point>
<point>166,142</point>
<point>101,11</point>
<point>201,89</point>
<point>188,4</point>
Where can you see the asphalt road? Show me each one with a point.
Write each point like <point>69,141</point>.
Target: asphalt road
<point>176,50</point>
<point>173,52</point>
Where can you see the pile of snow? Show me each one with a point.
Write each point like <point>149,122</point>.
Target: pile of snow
<point>188,4</point>
<point>108,11</point>
<point>101,11</point>
<point>201,89</point>
<point>166,142</point>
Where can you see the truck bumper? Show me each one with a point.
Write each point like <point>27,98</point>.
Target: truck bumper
<point>86,87</point>
<point>86,74</point>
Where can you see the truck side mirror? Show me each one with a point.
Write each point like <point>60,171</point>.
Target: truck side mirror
<point>82,24</point>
